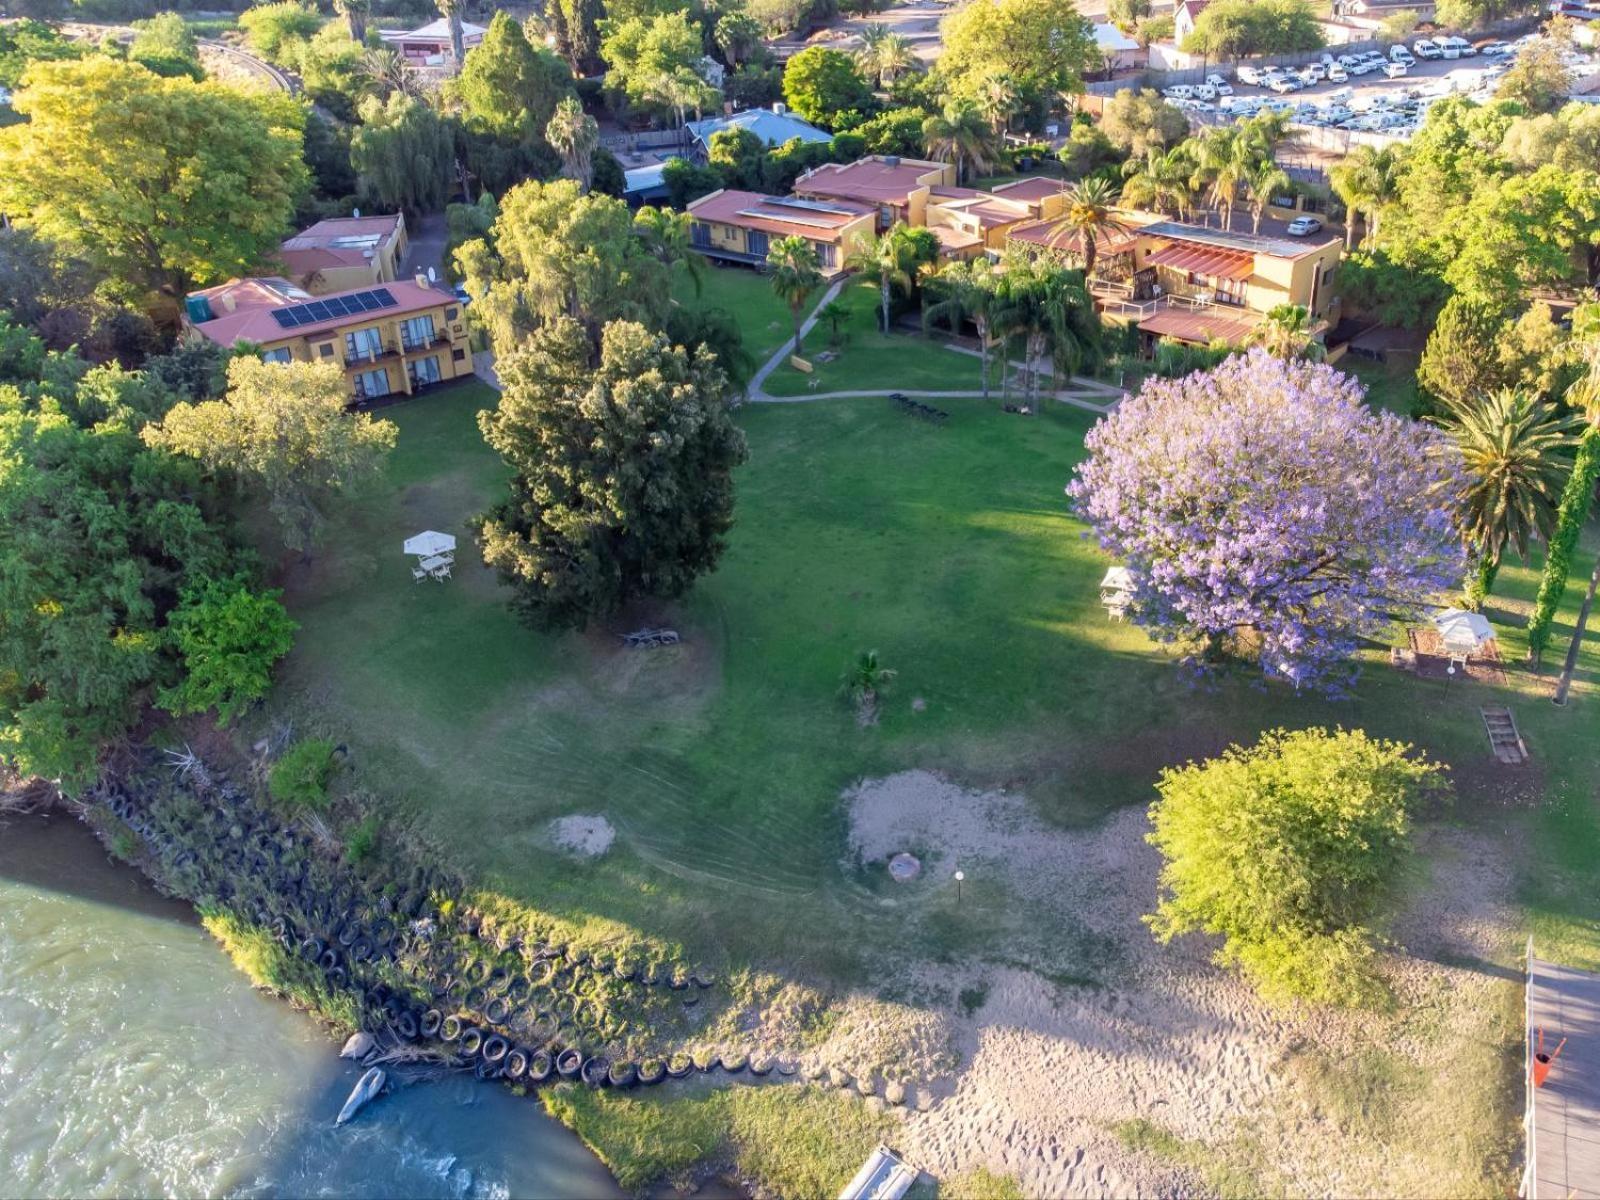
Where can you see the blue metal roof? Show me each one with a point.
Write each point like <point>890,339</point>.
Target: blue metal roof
<point>773,128</point>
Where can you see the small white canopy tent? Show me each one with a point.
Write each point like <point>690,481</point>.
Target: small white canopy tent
<point>430,543</point>
<point>1463,633</point>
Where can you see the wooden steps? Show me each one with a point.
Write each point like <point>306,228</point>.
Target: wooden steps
<point>1504,740</point>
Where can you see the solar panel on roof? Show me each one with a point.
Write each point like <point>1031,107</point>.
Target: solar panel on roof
<point>295,315</point>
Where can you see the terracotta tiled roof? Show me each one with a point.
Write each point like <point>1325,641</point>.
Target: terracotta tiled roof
<point>254,300</point>
<point>821,221</point>
<point>869,180</point>
<point>1201,326</point>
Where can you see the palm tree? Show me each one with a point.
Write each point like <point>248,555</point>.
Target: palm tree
<point>355,13</point>
<point>389,69</point>
<point>666,234</point>
<point>1161,180</point>
<point>1285,332</point>
<point>1224,159</point>
<point>574,134</point>
<point>450,10</point>
<point>1366,181</point>
<point>997,101</point>
<point>864,682</point>
<point>1262,181</point>
<point>1089,216</point>
<point>1510,446</point>
<point>960,134</point>
<point>1578,495</point>
<point>835,314</point>
<point>894,260</point>
<point>796,273</point>
<point>1051,309</point>
<point>969,290</point>
<point>884,54</point>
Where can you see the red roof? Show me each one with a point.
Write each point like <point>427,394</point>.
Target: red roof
<point>253,301</point>
<point>1031,190</point>
<point>1204,260</point>
<point>338,242</point>
<point>1201,326</point>
<point>820,221</point>
<point>874,180</point>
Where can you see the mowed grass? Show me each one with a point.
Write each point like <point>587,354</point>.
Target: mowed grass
<point>747,294</point>
<point>869,361</point>
<point>949,550</point>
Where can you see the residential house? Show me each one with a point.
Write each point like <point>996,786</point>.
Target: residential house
<point>1046,198</point>
<point>1184,14</point>
<point>774,126</point>
<point>1197,284</point>
<point>897,189</point>
<point>429,45</point>
<point>342,253</point>
<point>1118,51</point>
<point>968,222</point>
<point>740,227</point>
<point>398,338</point>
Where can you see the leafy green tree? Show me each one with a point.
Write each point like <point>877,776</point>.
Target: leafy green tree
<point>1512,448</point>
<point>1161,180</point>
<point>577,29</point>
<point>1289,850</point>
<point>967,290</point>
<point>643,55</point>
<point>740,155</point>
<point>622,482</point>
<point>228,637</point>
<point>1398,26</point>
<point>823,85</point>
<point>575,136</point>
<point>1126,14</point>
<point>1528,233</point>
<point>1048,306</point>
<point>26,41</point>
<point>273,30</point>
<point>1045,46</point>
<point>403,153</point>
<point>1262,182</point>
<point>510,87</point>
<point>884,54</point>
<point>1463,359</point>
<point>796,274</point>
<point>159,183</point>
<point>98,535</point>
<point>1372,282</point>
<point>686,182</point>
<point>1568,138</point>
<point>1089,151</point>
<point>555,252</point>
<point>738,36</point>
<point>1366,181</point>
<point>962,136</point>
<point>1577,498</point>
<point>897,131</point>
<point>1240,28</point>
<point>283,432</point>
<point>895,261</point>
<point>166,45</point>
<point>1137,122</point>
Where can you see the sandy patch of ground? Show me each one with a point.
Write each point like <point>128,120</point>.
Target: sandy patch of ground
<point>583,836</point>
<point>1047,1072</point>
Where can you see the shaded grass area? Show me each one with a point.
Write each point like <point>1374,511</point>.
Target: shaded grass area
<point>869,361</point>
<point>797,1140</point>
<point>747,294</point>
<point>1389,387</point>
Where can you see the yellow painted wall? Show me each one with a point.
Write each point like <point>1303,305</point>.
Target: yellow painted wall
<point>312,348</point>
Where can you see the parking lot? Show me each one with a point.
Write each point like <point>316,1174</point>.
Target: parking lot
<point>1369,101</point>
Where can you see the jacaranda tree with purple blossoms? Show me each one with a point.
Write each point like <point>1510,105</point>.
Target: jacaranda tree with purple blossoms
<point>1264,511</point>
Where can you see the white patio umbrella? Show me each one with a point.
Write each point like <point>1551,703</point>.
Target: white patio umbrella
<point>1461,631</point>
<point>429,543</point>
<point>1117,580</point>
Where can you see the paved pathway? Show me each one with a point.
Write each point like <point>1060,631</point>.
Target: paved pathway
<point>756,390</point>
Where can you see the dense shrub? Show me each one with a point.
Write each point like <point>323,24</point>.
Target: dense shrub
<point>299,779</point>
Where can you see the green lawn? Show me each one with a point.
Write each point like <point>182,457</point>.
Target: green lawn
<point>764,320</point>
<point>947,549</point>
<point>868,361</point>
<point>1393,388</point>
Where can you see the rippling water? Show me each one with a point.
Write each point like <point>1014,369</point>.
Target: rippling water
<point>135,1061</point>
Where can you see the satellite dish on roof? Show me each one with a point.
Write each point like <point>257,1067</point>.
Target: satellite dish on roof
<point>433,276</point>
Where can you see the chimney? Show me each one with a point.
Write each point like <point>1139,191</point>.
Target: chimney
<point>422,279</point>
<point>779,107</point>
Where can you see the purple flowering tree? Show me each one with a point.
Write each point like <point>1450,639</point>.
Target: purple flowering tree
<point>1264,511</point>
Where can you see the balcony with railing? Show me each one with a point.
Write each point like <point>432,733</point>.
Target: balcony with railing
<point>369,354</point>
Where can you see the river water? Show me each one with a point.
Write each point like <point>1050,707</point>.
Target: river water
<point>136,1061</point>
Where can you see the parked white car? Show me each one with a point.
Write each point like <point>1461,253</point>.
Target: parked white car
<point>1178,91</point>
<point>1313,73</point>
<point>1395,70</point>
<point>1426,48</point>
<point>1204,91</point>
<point>1337,74</point>
<point>1249,76</point>
<point>1303,226</point>
<point>1496,49</point>
<point>1400,54</point>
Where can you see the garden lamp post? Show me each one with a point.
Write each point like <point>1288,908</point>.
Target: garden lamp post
<point>960,875</point>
